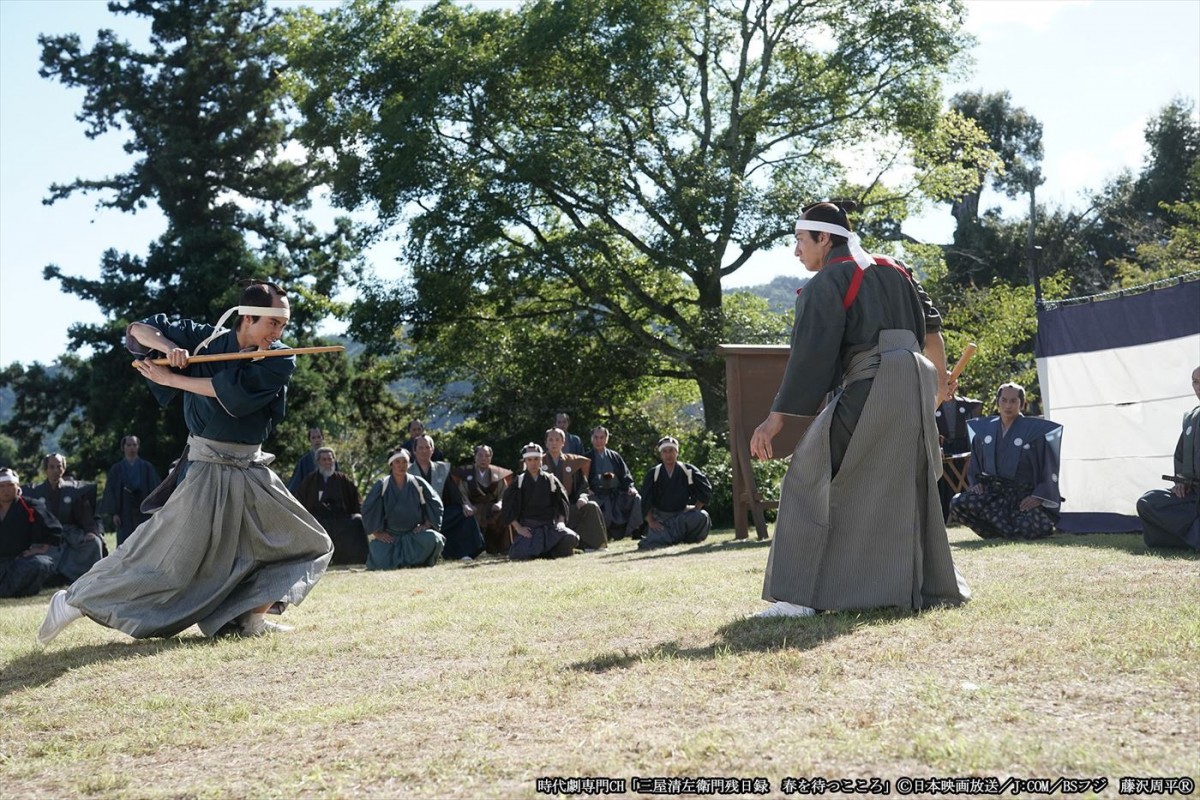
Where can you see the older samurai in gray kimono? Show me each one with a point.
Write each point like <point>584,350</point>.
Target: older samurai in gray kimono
<point>859,522</point>
<point>402,514</point>
<point>231,542</point>
<point>73,504</point>
<point>1171,517</point>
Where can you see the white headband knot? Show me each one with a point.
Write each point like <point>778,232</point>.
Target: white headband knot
<point>245,311</point>
<point>860,256</point>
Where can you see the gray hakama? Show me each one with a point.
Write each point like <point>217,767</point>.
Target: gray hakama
<point>230,539</point>
<point>1167,520</point>
<point>398,510</point>
<point>873,536</point>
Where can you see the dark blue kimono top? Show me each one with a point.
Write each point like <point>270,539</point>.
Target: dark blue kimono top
<point>251,395</point>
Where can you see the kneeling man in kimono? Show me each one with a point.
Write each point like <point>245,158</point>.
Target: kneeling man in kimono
<point>674,495</point>
<point>536,504</point>
<point>1012,483</point>
<point>1171,517</point>
<point>29,540</point>
<point>403,513</point>
<point>73,504</point>
<point>231,542</point>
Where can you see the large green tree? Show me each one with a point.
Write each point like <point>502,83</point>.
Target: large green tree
<point>596,167</point>
<point>205,113</point>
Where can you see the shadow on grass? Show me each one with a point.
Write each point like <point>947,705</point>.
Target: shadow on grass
<point>1126,542</point>
<point>675,550</point>
<point>754,635</point>
<point>42,667</point>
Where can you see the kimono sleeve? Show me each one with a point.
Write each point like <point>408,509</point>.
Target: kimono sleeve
<point>558,492</point>
<point>374,518</point>
<point>701,486</point>
<point>933,318</point>
<point>433,503</point>
<point>48,530</point>
<point>185,333</point>
<point>815,361</point>
<point>249,386</point>
<point>1046,489</point>
<point>510,501</point>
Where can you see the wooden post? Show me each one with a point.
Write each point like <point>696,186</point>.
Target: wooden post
<point>752,377</point>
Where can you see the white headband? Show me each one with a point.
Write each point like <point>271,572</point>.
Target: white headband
<point>854,243</point>
<point>6,478</point>
<point>400,454</point>
<point>245,311</point>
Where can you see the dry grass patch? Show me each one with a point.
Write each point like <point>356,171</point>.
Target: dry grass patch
<point>1077,657</point>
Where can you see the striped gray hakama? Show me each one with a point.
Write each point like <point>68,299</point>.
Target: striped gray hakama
<point>230,539</point>
<point>873,536</point>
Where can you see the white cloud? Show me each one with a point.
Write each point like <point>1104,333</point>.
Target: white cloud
<point>1037,15</point>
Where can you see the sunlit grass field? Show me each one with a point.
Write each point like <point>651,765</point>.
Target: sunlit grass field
<point>1078,657</point>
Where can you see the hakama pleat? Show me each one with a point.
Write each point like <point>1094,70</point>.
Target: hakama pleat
<point>230,539</point>
<point>873,536</point>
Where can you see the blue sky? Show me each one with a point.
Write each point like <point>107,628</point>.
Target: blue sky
<point>1092,72</point>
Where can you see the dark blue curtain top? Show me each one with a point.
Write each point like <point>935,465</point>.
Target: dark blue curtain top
<point>1153,316</point>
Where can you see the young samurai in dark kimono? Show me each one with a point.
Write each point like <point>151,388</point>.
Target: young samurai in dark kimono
<point>231,541</point>
<point>1171,517</point>
<point>859,524</point>
<point>536,504</point>
<point>1012,490</point>
<point>674,495</point>
<point>29,540</point>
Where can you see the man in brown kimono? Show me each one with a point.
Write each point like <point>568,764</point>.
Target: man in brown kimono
<point>483,487</point>
<point>585,517</point>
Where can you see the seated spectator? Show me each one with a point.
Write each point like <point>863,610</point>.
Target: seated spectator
<point>674,494</point>
<point>73,504</point>
<point>1171,518</point>
<point>483,485</point>
<point>464,540</point>
<point>585,516</point>
<point>403,514</point>
<point>1013,478</point>
<point>416,429</point>
<point>130,481</point>
<point>572,443</point>
<point>333,499</point>
<point>29,540</point>
<point>536,504</point>
<point>307,464</point>
<point>951,417</point>
<point>611,486</point>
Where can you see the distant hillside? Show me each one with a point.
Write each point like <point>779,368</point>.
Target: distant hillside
<point>780,293</point>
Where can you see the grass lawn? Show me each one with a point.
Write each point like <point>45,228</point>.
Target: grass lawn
<point>1078,657</point>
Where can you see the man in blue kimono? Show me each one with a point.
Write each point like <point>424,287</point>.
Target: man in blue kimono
<point>1171,517</point>
<point>307,465</point>
<point>402,514</point>
<point>1012,488</point>
<point>129,481</point>
<point>464,539</point>
<point>674,494</point>
<point>231,542</point>
<point>536,505</point>
<point>611,485</point>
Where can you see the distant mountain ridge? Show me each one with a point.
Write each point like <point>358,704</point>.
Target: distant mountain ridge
<point>780,293</point>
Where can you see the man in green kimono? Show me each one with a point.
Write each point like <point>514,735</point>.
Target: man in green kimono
<point>403,514</point>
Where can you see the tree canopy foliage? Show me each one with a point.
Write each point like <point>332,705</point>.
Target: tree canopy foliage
<point>575,179</point>
<point>204,110</point>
